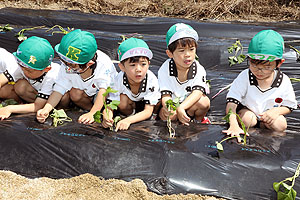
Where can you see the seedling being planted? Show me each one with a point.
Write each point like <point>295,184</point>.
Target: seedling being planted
<point>62,30</point>
<point>59,117</point>
<point>285,191</point>
<point>171,106</point>
<point>237,49</point>
<point>20,35</point>
<point>219,144</point>
<point>5,28</point>
<point>113,105</point>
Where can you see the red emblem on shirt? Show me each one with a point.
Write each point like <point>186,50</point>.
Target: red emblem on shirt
<point>278,100</point>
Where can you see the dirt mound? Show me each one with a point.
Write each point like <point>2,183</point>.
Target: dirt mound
<point>225,10</point>
<point>85,186</point>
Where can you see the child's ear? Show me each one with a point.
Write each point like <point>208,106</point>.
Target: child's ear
<point>282,60</point>
<point>90,63</point>
<point>47,68</point>
<point>121,66</point>
<point>169,53</point>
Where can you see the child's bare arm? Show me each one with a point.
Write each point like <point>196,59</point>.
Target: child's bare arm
<point>186,104</point>
<point>5,112</point>
<point>271,115</point>
<point>3,80</point>
<point>140,116</point>
<point>88,118</point>
<point>234,128</point>
<point>53,100</point>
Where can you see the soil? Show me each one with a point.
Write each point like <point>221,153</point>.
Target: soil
<point>87,186</point>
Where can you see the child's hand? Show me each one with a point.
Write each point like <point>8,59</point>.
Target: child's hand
<point>86,118</point>
<point>4,113</point>
<point>269,116</point>
<point>235,131</point>
<point>107,122</point>
<point>165,113</point>
<point>182,116</point>
<point>123,125</point>
<point>42,115</point>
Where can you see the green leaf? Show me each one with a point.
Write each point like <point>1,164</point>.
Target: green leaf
<point>1,106</point>
<point>276,186</point>
<point>230,49</point>
<point>97,116</point>
<point>228,115</point>
<point>241,58</point>
<point>117,119</point>
<point>22,38</point>
<point>219,146</point>
<point>61,113</point>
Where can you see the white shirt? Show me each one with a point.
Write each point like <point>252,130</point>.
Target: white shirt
<point>148,91</point>
<point>6,59</point>
<point>13,72</point>
<point>169,83</point>
<point>245,90</point>
<point>102,77</point>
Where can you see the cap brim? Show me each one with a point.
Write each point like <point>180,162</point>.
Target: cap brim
<point>63,57</point>
<point>139,51</point>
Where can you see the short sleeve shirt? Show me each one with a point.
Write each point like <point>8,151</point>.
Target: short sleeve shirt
<point>170,84</point>
<point>102,77</point>
<point>7,59</point>
<point>245,90</point>
<point>43,85</point>
<point>148,91</point>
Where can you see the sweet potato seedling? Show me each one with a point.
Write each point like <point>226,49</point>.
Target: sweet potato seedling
<point>113,105</point>
<point>219,144</point>
<point>62,30</point>
<point>171,106</point>
<point>20,35</point>
<point>237,49</point>
<point>59,117</point>
<point>285,191</point>
<point>6,28</point>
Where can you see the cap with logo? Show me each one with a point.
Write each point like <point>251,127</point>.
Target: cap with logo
<point>134,47</point>
<point>77,47</point>
<point>180,30</point>
<point>34,52</point>
<point>266,45</point>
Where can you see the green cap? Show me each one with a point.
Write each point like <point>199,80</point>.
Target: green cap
<point>134,47</point>
<point>77,47</point>
<point>266,45</point>
<point>35,52</point>
<point>180,30</point>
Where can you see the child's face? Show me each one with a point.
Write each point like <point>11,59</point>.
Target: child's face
<point>183,56</point>
<point>135,71</point>
<point>73,68</point>
<point>262,70</point>
<point>33,73</point>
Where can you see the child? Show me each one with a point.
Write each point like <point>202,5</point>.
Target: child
<point>261,95</point>
<point>31,68</point>
<point>84,77</point>
<point>181,76</point>
<point>138,90</point>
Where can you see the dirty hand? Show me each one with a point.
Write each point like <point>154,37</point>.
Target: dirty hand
<point>123,125</point>
<point>269,116</point>
<point>4,113</point>
<point>86,118</point>
<point>107,121</point>
<point>235,131</point>
<point>42,115</point>
<point>182,116</point>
